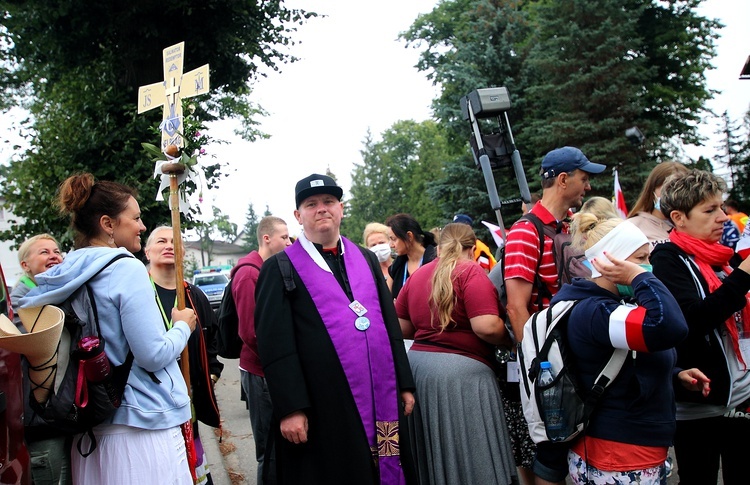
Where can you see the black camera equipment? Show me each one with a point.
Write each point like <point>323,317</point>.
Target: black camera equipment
<point>497,148</point>
<point>634,135</point>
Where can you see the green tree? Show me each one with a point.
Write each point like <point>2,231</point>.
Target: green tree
<point>579,73</point>
<point>740,190</point>
<point>678,45</point>
<point>729,146</point>
<point>474,44</point>
<point>250,241</point>
<point>77,66</point>
<point>394,177</point>
<point>207,231</point>
<point>702,163</point>
<point>471,44</point>
<point>586,88</point>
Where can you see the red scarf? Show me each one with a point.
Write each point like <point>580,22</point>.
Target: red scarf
<point>708,256</point>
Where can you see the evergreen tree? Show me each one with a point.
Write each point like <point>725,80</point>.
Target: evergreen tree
<point>741,165</point>
<point>702,163</point>
<point>471,44</point>
<point>678,45</point>
<point>586,87</point>
<point>579,73</point>
<point>394,177</point>
<point>250,241</point>
<point>729,148</point>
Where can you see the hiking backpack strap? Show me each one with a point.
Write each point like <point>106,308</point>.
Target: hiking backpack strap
<point>285,266</point>
<point>607,374</point>
<point>243,265</point>
<point>563,309</point>
<point>542,230</point>
<point>603,380</point>
<point>120,373</point>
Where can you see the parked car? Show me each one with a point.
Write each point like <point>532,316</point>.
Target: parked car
<point>212,280</point>
<point>14,456</point>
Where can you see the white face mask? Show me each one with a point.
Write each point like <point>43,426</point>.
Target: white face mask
<point>382,251</point>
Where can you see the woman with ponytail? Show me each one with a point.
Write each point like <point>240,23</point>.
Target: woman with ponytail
<point>710,283</point>
<point>451,310</point>
<point>142,442</point>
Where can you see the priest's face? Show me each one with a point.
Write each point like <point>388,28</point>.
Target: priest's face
<point>320,216</point>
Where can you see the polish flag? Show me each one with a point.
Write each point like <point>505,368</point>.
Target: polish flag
<point>743,245</point>
<point>619,199</point>
<point>497,234</point>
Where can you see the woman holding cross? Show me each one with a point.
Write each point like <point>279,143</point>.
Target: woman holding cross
<point>142,442</point>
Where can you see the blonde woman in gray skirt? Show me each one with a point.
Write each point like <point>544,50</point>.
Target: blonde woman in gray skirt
<point>450,308</point>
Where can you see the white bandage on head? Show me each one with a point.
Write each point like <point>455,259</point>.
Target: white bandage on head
<point>622,241</point>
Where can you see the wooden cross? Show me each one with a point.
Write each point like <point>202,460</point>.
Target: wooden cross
<point>170,92</point>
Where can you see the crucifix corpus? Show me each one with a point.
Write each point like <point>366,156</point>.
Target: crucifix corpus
<point>169,94</point>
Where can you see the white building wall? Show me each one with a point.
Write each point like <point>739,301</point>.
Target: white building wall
<point>8,256</point>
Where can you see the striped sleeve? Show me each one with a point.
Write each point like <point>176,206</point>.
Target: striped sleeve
<point>522,252</point>
<point>522,257</point>
<point>626,328</point>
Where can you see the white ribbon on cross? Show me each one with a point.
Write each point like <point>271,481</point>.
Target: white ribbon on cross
<point>195,176</point>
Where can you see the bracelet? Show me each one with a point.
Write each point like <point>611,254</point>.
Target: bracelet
<point>214,378</point>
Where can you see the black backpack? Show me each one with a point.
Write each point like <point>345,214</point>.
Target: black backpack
<point>80,403</point>
<point>229,341</point>
<point>228,336</point>
<point>568,260</point>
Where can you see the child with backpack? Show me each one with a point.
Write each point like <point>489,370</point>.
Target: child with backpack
<point>623,306</point>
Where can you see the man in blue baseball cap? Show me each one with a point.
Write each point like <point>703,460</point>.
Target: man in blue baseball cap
<point>568,159</point>
<point>569,190</point>
<point>530,282</point>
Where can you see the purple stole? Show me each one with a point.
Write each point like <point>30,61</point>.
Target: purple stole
<point>366,356</point>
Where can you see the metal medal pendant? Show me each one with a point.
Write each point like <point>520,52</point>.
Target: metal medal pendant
<point>362,323</point>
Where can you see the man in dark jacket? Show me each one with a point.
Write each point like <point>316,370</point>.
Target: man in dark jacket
<point>333,354</point>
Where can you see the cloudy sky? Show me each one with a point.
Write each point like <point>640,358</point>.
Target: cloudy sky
<point>355,76</point>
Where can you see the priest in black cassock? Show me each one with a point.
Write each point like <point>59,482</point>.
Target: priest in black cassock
<point>333,354</point>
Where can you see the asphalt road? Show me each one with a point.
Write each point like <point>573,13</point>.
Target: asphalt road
<point>231,452</point>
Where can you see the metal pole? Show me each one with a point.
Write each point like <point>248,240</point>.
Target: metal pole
<point>489,179</point>
<point>515,157</point>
